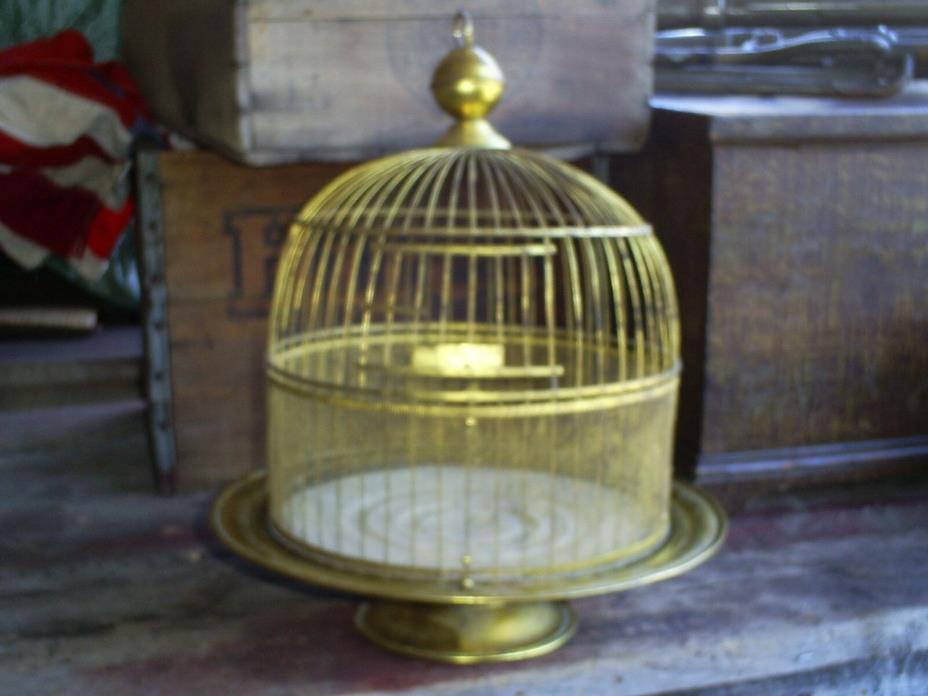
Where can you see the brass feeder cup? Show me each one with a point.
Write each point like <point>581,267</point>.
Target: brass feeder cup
<point>473,367</point>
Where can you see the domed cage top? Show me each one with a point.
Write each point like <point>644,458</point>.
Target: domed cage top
<point>473,366</point>
<point>471,247</point>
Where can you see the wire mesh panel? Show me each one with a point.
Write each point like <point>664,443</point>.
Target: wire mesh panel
<point>473,366</point>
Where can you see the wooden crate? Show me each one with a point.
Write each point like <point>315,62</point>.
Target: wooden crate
<point>212,231</point>
<point>797,230</point>
<point>269,81</point>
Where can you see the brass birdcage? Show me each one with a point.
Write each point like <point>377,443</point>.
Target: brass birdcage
<point>473,366</point>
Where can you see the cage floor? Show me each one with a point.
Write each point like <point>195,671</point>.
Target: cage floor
<point>454,518</point>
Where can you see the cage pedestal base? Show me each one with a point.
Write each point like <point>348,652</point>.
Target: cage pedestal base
<point>419,618</point>
<point>466,634</point>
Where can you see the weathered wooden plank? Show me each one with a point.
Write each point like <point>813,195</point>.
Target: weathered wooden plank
<point>796,230</point>
<point>787,119</point>
<point>275,82</point>
<point>282,97</point>
<point>113,341</point>
<point>106,588</point>
<point>25,385</point>
<point>819,260</point>
<point>49,321</point>
<point>223,227</point>
<point>105,366</point>
<point>224,224</point>
<point>345,10</point>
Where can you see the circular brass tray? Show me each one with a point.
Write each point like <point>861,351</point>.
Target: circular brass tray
<point>698,525</point>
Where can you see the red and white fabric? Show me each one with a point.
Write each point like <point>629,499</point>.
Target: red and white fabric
<point>67,126</point>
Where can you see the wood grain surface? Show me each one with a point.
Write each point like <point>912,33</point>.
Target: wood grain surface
<point>47,372</point>
<point>819,283</point>
<point>223,226</point>
<point>284,81</point>
<point>106,588</point>
<point>797,230</point>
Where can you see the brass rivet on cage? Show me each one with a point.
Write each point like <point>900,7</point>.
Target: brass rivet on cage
<point>471,283</point>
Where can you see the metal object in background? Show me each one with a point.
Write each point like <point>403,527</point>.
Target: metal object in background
<point>716,14</point>
<point>869,47</point>
<point>836,62</point>
<point>473,367</point>
<point>154,318</point>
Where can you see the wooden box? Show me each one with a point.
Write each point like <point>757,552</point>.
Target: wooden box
<point>270,81</point>
<point>797,230</point>
<point>211,232</point>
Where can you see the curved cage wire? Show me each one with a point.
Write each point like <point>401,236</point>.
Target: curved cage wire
<point>473,365</point>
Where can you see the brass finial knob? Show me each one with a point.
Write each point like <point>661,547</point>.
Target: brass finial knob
<point>467,84</point>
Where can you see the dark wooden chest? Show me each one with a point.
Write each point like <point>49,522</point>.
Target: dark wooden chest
<point>797,230</point>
